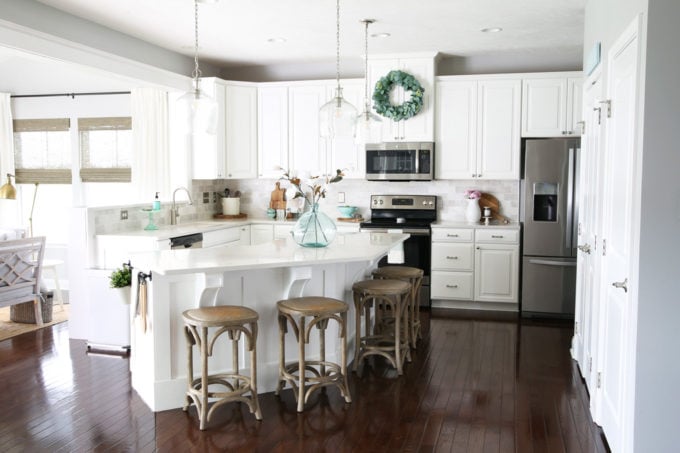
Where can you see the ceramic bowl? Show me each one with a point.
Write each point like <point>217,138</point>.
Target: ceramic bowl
<point>347,211</point>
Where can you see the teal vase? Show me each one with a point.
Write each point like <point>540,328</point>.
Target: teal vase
<point>314,228</point>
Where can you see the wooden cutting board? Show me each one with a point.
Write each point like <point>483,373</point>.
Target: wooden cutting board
<point>488,200</point>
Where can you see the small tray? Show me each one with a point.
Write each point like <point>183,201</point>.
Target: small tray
<point>351,219</point>
<point>230,216</point>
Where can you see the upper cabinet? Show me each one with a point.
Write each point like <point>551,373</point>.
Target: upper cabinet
<point>288,121</point>
<point>551,104</point>
<point>232,151</point>
<point>421,126</point>
<point>477,126</point>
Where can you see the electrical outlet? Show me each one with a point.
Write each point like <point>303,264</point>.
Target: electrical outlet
<point>341,197</point>
<point>206,197</point>
<point>123,214</point>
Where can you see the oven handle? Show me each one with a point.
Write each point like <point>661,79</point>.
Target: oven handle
<point>411,231</point>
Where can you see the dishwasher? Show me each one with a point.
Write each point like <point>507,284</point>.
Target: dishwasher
<point>189,241</point>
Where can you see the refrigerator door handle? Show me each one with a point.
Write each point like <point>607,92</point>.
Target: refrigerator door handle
<point>570,200</point>
<point>554,263</point>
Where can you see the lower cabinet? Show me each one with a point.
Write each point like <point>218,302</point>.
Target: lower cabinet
<point>471,265</point>
<point>261,233</point>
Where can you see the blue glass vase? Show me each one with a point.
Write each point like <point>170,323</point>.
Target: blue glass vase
<point>314,228</point>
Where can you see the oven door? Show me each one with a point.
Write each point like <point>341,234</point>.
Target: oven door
<point>416,254</point>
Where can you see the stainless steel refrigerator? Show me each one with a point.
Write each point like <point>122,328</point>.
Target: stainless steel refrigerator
<point>549,214</point>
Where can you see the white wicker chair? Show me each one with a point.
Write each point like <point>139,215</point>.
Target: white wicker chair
<point>20,268</point>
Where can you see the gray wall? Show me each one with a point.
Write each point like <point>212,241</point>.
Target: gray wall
<point>657,418</point>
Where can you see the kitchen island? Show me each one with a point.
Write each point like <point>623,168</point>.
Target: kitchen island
<point>254,276</point>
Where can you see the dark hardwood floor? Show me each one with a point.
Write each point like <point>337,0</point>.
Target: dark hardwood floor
<point>474,386</point>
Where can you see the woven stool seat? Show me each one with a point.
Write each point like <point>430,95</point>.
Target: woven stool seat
<point>387,296</point>
<point>235,321</point>
<point>312,373</point>
<point>414,276</point>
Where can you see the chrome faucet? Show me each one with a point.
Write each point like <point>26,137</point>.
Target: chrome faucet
<point>174,210</point>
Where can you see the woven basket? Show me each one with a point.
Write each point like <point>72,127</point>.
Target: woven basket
<point>24,313</point>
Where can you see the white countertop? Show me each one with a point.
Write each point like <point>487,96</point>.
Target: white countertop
<point>479,225</point>
<point>348,247</point>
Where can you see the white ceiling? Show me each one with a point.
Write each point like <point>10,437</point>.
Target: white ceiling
<point>233,34</point>
<point>236,32</point>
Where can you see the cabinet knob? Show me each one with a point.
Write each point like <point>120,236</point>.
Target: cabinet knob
<point>449,235</point>
<point>497,236</point>
<point>451,257</point>
<point>479,175</point>
<point>478,248</point>
<point>452,286</point>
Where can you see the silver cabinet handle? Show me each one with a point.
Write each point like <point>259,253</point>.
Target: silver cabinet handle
<point>622,285</point>
<point>452,286</point>
<point>451,257</point>
<point>585,248</point>
<point>497,236</point>
<point>451,235</point>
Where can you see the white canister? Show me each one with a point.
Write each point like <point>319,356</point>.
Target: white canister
<point>231,206</point>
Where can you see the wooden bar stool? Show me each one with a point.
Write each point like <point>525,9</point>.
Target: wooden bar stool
<point>414,277</point>
<point>318,373</point>
<point>387,296</point>
<point>234,321</point>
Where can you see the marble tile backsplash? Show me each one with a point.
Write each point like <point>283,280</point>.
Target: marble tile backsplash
<point>256,193</point>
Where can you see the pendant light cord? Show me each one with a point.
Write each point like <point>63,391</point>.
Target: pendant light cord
<point>366,102</point>
<point>196,74</point>
<point>337,42</point>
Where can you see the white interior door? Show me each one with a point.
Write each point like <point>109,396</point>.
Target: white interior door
<point>587,304</point>
<point>616,361</point>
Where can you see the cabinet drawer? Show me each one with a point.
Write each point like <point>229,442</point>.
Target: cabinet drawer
<point>458,257</point>
<point>497,236</point>
<point>221,237</point>
<point>451,285</point>
<point>452,234</point>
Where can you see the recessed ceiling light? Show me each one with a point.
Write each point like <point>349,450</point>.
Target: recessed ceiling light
<point>277,40</point>
<point>380,35</point>
<point>491,30</point>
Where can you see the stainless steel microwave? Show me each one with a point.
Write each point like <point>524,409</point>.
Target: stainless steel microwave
<point>400,161</point>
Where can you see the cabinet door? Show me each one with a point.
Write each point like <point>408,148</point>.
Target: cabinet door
<point>345,154</point>
<point>420,127</point>
<point>272,113</point>
<point>244,235</point>
<point>574,102</point>
<point>307,148</point>
<point>376,70</point>
<point>498,129</point>
<point>208,153</point>
<point>456,130</point>
<point>544,112</point>
<point>241,131</point>
<point>259,234</point>
<point>496,273</point>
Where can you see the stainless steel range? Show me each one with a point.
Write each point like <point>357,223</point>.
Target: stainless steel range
<point>411,214</point>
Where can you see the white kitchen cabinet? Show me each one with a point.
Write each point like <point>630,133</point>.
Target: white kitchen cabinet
<point>239,235</point>
<point>475,266</point>
<point>497,265</point>
<point>261,233</point>
<point>306,148</point>
<point>232,151</point>
<point>551,105</point>
<point>283,231</point>
<point>421,126</point>
<point>477,125</point>
<point>272,132</point>
<point>241,131</point>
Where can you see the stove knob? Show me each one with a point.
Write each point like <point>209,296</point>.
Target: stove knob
<point>424,203</point>
<point>381,202</point>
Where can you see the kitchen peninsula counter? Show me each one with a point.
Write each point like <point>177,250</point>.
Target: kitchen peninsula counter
<point>254,276</point>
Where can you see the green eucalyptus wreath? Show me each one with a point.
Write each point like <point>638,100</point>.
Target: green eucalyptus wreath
<point>406,110</point>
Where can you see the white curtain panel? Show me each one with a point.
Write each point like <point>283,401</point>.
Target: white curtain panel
<point>6,138</point>
<point>151,164</point>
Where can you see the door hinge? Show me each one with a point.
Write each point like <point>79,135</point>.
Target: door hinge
<point>608,103</point>
<point>590,365</point>
<point>599,379</point>
<point>604,247</point>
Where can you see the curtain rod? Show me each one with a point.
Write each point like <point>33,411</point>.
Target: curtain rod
<point>72,95</point>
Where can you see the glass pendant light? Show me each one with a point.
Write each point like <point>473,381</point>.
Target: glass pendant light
<point>200,108</point>
<point>369,125</point>
<point>337,117</point>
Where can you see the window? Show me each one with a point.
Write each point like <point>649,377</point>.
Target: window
<point>42,152</point>
<point>105,149</point>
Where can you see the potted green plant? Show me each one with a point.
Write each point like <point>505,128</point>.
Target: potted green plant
<point>121,280</point>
